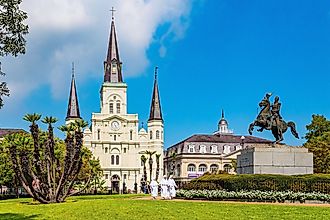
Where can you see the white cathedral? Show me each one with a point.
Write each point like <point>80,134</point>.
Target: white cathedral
<point>114,135</point>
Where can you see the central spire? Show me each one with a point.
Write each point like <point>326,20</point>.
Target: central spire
<point>73,107</point>
<point>112,65</point>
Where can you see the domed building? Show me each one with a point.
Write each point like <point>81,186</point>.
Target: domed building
<point>200,153</point>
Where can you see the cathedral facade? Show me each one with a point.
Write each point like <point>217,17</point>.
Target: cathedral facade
<point>115,137</point>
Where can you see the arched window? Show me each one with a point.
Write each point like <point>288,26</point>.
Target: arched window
<point>117,159</point>
<point>214,168</point>
<point>115,137</point>
<point>202,168</point>
<point>118,107</point>
<point>202,149</point>
<point>106,150</point>
<point>131,135</point>
<point>227,168</point>
<point>157,134</point>
<point>150,135</point>
<point>191,168</point>
<point>112,159</point>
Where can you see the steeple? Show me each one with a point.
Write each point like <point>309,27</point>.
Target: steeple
<point>155,110</point>
<point>73,107</point>
<point>112,65</point>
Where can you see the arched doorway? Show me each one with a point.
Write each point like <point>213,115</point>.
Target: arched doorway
<point>115,184</point>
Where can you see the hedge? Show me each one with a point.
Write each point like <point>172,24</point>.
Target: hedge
<point>254,196</point>
<point>263,182</point>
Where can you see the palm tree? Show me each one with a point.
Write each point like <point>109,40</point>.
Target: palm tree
<point>158,167</point>
<point>150,153</point>
<point>173,156</point>
<point>144,160</point>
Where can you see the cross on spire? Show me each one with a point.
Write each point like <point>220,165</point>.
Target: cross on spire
<point>112,12</point>
<point>72,69</point>
<point>156,72</point>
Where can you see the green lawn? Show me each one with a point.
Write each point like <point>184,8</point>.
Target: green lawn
<point>129,207</point>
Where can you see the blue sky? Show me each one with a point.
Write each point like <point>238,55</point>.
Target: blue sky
<point>212,55</point>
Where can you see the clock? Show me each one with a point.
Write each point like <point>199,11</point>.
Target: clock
<point>115,125</point>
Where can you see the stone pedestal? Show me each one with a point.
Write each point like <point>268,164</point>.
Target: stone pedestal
<point>277,160</point>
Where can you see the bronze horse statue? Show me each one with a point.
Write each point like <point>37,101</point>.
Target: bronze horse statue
<point>268,119</point>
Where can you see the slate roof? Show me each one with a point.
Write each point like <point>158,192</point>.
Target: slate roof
<point>6,131</point>
<point>73,106</point>
<point>219,138</point>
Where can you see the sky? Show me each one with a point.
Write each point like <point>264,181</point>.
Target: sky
<point>212,55</point>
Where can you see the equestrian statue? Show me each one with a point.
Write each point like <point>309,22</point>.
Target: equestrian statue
<point>269,118</point>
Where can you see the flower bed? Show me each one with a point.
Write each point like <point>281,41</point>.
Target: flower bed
<point>253,196</point>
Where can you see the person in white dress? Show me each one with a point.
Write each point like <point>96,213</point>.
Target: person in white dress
<point>154,188</point>
<point>172,187</point>
<point>164,188</point>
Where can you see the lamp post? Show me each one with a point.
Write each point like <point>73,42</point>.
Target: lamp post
<point>242,141</point>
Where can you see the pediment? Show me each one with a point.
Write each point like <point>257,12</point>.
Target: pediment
<point>119,118</point>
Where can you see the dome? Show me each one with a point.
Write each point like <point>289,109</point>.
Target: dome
<point>223,122</point>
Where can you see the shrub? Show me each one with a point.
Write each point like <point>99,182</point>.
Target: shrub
<point>262,182</point>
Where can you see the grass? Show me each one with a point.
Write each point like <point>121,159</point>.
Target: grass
<point>130,207</point>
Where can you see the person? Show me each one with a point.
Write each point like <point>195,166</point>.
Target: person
<point>154,188</point>
<point>172,187</point>
<point>164,188</point>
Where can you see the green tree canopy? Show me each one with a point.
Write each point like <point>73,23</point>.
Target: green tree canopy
<point>318,142</point>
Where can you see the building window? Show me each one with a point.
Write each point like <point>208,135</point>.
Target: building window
<point>98,134</point>
<point>191,148</point>
<point>178,170</point>
<point>118,107</point>
<point>125,176</point>
<point>202,168</point>
<point>117,159</point>
<point>191,168</point>
<point>106,150</point>
<point>115,137</point>
<point>214,149</point>
<point>106,176</point>
<point>214,168</point>
<point>125,150</point>
<point>157,134</point>
<point>131,135</point>
<point>112,159</point>
<point>111,108</point>
<point>226,149</point>
<point>150,135</point>
<point>202,149</point>
<point>227,168</point>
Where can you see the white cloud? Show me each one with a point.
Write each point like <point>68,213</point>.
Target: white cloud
<point>63,31</point>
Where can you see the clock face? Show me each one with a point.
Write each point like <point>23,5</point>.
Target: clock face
<point>115,125</point>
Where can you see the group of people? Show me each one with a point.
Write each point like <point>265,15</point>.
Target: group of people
<point>167,186</point>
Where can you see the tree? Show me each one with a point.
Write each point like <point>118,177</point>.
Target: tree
<point>150,153</point>
<point>158,166</point>
<point>12,28</point>
<point>144,161</point>
<point>12,32</point>
<point>46,175</point>
<point>318,142</point>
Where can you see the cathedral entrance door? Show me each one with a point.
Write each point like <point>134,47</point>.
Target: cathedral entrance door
<point>115,184</point>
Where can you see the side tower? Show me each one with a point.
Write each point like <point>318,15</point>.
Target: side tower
<point>73,112</point>
<point>155,122</point>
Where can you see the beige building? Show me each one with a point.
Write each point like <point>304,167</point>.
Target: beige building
<point>198,154</point>
<point>114,135</point>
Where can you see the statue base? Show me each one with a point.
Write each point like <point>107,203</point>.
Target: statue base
<point>281,159</point>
